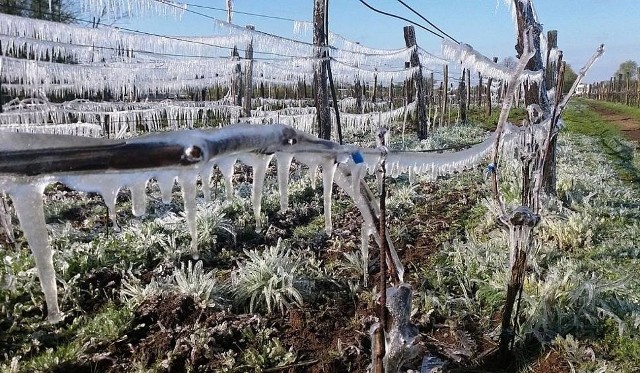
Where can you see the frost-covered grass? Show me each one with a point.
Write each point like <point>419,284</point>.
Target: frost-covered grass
<point>581,295</point>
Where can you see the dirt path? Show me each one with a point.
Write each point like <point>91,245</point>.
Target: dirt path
<point>629,126</point>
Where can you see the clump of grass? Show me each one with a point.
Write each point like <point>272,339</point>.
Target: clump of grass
<point>267,280</point>
<point>193,280</point>
<point>211,220</point>
<point>110,323</point>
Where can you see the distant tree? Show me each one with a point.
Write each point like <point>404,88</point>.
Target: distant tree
<point>628,66</point>
<point>570,76</point>
<point>61,10</point>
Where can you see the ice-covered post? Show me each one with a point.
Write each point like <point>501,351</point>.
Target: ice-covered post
<point>445,93</point>
<point>320,74</point>
<point>468,83</point>
<point>462,96</point>
<point>549,170</point>
<point>535,93</point>
<point>248,76</point>
<point>480,88</point>
<point>410,42</point>
<point>236,79</point>
<point>638,87</point>
<point>1,102</point>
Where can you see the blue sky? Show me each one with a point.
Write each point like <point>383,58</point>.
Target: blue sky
<point>485,24</point>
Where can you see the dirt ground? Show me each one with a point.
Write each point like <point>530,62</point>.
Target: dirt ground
<point>630,127</point>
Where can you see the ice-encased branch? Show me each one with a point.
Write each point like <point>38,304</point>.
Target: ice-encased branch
<point>185,156</point>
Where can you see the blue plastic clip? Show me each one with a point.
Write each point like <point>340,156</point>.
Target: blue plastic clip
<point>357,157</point>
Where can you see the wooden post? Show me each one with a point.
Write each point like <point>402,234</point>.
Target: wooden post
<point>410,41</point>
<point>445,94</point>
<point>1,101</point>
<point>408,86</point>
<point>619,88</point>
<point>321,97</point>
<point>357,94</point>
<point>627,91</point>
<point>468,89</point>
<point>462,96</point>
<point>248,77</point>
<point>549,178</point>
<point>534,93</point>
<point>375,88</point>
<point>550,71</point>
<point>638,87</point>
<point>431,98</point>
<point>332,86</point>
<point>391,94</point>
<point>480,89</point>
<point>236,79</point>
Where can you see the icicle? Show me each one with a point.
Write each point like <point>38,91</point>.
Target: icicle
<point>328,173</point>
<point>187,181</point>
<point>27,200</point>
<point>313,171</point>
<point>226,166</point>
<point>107,187</point>
<point>138,197</point>
<point>166,181</point>
<point>206,183</point>
<point>259,163</point>
<point>284,165</point>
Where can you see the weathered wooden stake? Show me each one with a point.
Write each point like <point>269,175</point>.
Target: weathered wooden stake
<point>323,114</point>
<point>248,77</point>
<point>445,94</point>
<point>410,41</point>
<point>550,65</point>
<point>236,79</point>
<point>480,91</point>
<point>468,88</point>
<point>332,86</point>
<point>549,170</point>
<point>462,95</point>
<point>534,93</point>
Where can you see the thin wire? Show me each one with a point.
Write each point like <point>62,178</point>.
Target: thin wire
<point>165,36</point>
<point>245,13</point>
<point>426,20</point>
<point>402,18</point>
<point>202,43</point>
<point>216,19</point>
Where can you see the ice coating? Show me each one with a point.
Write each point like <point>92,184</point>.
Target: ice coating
<point>201,149</point>
<point>226,166</point>
<point>284,165</point>
<point>187,180</point>
<point>348,177</point>
<point>400,336</point>
<point>29,208</point>
<point>138,197</point>
<point>259,164</point>
<point>166,181</point>
<point>328,173</point>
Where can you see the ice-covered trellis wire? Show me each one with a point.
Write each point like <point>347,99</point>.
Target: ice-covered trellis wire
<point>105,166</point>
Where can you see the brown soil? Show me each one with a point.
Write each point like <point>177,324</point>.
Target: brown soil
<point>630,127</point>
